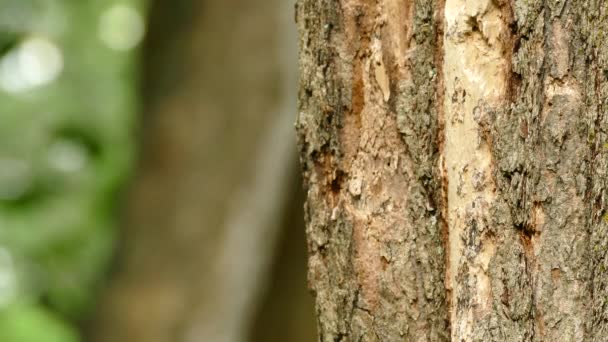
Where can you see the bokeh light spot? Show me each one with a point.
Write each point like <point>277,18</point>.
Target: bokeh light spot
<point>35,62</point>
<point>121,27</point>
<point>8,278</point>
<point>67,155</point>
<point>15,178</point>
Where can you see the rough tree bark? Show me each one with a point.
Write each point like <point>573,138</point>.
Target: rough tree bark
<point>455,156</point>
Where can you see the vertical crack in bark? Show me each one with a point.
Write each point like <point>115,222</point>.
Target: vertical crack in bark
<point>442,172</point>
<point>475,81</point>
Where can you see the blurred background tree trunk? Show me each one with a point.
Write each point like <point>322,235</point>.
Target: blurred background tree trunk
<point>215,183</point>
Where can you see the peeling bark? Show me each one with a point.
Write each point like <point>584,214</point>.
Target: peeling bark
<point>455,159</point>
<point>475,83</point>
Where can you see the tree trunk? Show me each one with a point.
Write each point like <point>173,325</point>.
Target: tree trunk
<point>455,156</point>
<point>206,206</point>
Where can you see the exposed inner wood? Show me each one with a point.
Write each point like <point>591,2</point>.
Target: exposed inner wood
<point>475,72</point>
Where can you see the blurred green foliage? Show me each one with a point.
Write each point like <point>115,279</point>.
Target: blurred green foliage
<point>31,323</point>
<point>67,114</point>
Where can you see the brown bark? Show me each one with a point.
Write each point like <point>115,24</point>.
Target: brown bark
<point>205,206</point>
<point>455,158</point>
<point>369,132</point>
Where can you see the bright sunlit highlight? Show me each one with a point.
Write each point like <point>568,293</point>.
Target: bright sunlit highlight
<point>35,62</point>
<point>121,27</point>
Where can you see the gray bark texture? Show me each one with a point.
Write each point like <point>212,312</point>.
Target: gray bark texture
<point>455,157</point>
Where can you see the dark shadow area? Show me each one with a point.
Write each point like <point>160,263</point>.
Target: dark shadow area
<point>286,312</point>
